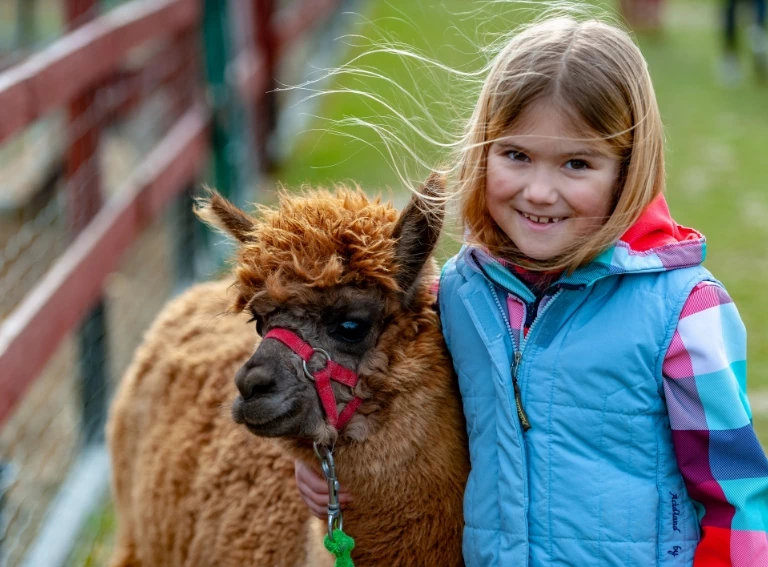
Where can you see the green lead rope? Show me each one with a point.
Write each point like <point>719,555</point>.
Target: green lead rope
<point>341,547</point>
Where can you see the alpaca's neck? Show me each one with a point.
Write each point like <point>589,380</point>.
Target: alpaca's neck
<point>407,479</point>
<point>408,489</point>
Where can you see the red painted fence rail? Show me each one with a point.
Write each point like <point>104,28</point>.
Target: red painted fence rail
<point>54,78</point>
<point>33,331</point>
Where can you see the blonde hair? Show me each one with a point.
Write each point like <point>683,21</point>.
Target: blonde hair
<point>594,71</point>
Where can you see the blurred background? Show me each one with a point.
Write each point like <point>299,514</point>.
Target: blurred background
<point>114,112</point>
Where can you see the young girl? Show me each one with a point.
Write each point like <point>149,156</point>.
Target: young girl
<point>602,368</point>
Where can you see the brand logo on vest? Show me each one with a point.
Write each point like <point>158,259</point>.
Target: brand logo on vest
<point>675,511</point>
<point>675,551</point>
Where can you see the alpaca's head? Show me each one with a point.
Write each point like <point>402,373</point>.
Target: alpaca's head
<point>346,275</point>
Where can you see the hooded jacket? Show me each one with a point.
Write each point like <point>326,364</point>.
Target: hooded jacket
<point>574,440</point>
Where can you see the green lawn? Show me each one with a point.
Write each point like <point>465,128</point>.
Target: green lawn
<point>94,546</point>
<point>717,136</point>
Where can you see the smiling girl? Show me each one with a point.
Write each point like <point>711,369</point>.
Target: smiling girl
<point>602,368</point>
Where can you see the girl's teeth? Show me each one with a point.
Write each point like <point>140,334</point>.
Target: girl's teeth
<point>542,220</point>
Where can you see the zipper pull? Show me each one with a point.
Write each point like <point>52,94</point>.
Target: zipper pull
<point>521,415</point>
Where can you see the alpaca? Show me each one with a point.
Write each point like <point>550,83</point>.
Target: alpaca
<point>203,465</point>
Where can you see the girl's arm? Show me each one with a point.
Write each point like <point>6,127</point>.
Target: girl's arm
<point>724,468</point>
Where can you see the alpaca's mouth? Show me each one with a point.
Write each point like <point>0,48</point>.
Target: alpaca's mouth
<point>266,425</point>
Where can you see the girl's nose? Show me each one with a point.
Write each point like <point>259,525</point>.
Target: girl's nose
<point>541,188</point>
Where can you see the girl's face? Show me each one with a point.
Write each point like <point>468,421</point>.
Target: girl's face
<point>545,188</point>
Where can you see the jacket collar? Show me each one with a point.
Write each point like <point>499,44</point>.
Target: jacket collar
<point>654,243</point>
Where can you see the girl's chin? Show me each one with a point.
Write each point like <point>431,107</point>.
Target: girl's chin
<point>541,253</point>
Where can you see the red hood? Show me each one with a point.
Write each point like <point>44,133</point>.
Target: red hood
<point>656,228</point>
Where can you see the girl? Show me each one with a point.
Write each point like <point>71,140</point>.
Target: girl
<point>602,368</point>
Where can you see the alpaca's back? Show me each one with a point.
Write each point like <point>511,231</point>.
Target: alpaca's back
<point>190,486</point>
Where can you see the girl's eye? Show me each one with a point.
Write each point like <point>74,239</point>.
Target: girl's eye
<point>514,155</point>
<point>577,164</point>
<point>351,331</point>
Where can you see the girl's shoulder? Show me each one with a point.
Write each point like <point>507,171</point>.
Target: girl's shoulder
<point>449,268</point>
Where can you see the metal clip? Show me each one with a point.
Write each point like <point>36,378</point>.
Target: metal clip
<point>335,520</point>
<point>309,375</point>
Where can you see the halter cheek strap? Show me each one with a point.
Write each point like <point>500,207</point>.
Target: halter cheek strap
<point>322,378</point>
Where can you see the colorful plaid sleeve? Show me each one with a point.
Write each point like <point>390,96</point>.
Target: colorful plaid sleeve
<point>721,460</point>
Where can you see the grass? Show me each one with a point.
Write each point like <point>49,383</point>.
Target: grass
<point>717,146</point>
<point>94,545</point>
<point>717,137</point>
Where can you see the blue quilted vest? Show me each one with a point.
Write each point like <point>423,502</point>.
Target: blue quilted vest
<point>594,481</point>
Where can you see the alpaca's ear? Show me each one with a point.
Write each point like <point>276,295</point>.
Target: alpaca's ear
<point>417,231</point>
<point>219,213</point>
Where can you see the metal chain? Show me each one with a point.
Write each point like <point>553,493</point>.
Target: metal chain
<point>335,520</point>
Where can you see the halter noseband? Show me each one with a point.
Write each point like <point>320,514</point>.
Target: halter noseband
<point>322,378</point>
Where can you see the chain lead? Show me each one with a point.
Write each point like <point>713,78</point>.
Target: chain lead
<point>327,464</point>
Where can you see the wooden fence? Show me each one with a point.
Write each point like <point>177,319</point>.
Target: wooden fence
<point>81,67</point>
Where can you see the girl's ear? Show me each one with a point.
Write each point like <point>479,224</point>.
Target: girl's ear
<point>417,231</point>
<point>217,212</point>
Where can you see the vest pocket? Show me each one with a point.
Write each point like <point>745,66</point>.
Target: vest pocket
<point>678,523</point>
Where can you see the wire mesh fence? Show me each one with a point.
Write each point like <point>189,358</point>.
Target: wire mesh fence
<point>61,174</point>
<point>56,174</point>
<point>64,410</point>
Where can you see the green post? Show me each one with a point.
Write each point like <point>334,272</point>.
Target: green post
<point>228,138</point>
<point>26,26</point>
<point>229,142</point>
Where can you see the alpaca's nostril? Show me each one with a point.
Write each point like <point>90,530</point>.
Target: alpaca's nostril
<point>245,389</point>
<point>251,384</point>
<point>241,383</point>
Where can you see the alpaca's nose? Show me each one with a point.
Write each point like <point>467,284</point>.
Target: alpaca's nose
<point>253,380</point>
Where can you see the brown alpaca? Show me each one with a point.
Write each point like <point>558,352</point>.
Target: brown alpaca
<point>194,486</point>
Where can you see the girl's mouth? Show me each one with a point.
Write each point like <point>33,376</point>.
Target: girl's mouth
<point>539,221</point>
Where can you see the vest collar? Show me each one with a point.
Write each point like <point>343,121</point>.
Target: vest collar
<point>655,243</point>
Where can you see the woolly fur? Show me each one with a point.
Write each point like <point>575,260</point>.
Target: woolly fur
<point>192,488</point>
<point>318,240</point>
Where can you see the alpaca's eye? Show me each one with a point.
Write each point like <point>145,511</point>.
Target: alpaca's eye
<point>259,323</point>
<point>351,331</point>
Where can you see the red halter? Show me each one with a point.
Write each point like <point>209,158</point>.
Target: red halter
<point>331,371</point>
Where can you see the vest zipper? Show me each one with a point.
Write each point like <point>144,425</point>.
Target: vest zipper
<point>517,358</point>
<point>530,311</point>
<point>521,415</point>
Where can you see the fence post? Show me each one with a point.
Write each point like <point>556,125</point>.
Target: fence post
<point>227,122</point>
<point>25,23</point>
<point>215,37</point>
<point>265,111</point>
<point>83,202</point>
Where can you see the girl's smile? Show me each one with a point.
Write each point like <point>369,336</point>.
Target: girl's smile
<point>546,186</point>
<point>540,222</point>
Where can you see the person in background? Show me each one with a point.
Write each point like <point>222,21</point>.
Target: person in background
<point>642,15</point>
<point>756,34</point>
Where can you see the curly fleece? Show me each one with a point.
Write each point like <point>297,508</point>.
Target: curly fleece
<point>192,488</point>
<point>318,240</point>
